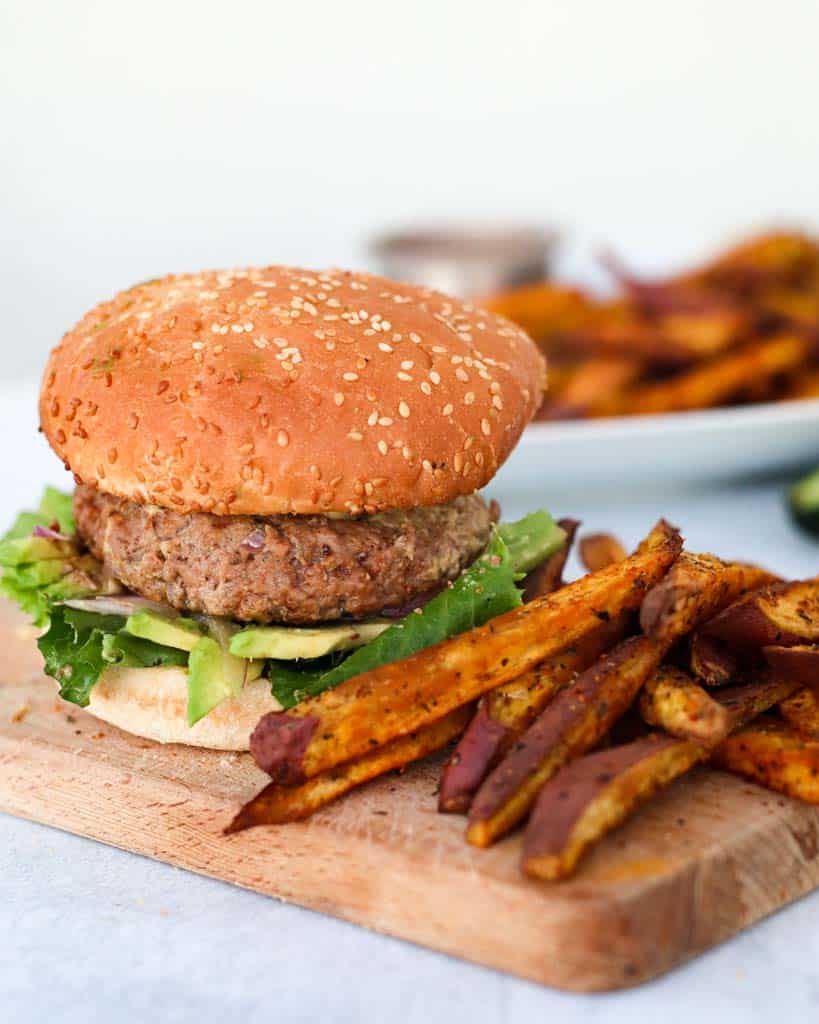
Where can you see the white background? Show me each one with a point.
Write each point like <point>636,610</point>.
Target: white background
<point>156,135</point>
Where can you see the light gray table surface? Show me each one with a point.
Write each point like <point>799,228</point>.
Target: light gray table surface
<point>89,933</point>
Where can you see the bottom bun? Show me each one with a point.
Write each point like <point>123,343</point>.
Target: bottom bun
<point>152,702</point>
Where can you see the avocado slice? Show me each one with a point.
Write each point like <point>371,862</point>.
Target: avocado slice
<point>289,643</point>
<point>181,633</point>
<point>22,550</point>
<point>40,574</point>
<point>215,675</point>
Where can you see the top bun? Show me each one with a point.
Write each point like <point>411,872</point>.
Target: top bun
<point>276,390</point>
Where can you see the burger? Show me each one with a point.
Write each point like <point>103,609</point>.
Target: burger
<point>277,487</point>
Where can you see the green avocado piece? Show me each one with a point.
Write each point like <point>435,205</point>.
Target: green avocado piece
<point>215,675</point>
<point>181,633</point>
<point>289,643</point>
<point>22,550</point>
<point>40,574</point>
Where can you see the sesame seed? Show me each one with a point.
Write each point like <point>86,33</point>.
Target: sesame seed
<point>407,364</point>
<point>403,376</point>
<point>354,435</point>
<point>372,419</point>
<point>283,438</point>
<point>439,350</point>
<point>486,427</point>
<point>403,410</point>
<point>415,337</point>
<point>447,409</point>
<point>497,401</point>
<point>469,398</point>
<point>338,398</point>
<point>385,347</point>
<point>427,465</point>
<point>435,377</point>
<point>406,452</point>
<point>385,421</point>
<point>461,374</point>
<point>382,447</point>
<point>458,462</point>
<point>426,388</point>
<point>350,376</point>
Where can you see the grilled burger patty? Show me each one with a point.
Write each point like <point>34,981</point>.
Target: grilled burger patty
<point>289,569</point>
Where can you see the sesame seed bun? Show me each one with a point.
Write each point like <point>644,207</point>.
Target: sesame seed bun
<point>278,390</point>
<point>152,703</point>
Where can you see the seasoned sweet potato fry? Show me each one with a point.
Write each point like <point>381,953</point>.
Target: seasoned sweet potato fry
<point>800,663</point>
<point>378,706</point>
<point>591,796</point>
<point>590,385</point>
<point>597,550</point>
<point>782,615</point>
<point>717,381</point>
<point>801,712</point>
<point>548,576</point>
<point>276,805</point>
<point>507,711</point>
<point>711,662</point>
<point>776,756</point>
<point>541,309</point>
<point>672,701</point>
<point>698,587</point>
<point>579,716</point>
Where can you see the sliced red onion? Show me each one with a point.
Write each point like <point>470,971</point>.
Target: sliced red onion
<point>254,540</point>
<point>49,533</point>
<point>410,606</point>
<point>122,604</point>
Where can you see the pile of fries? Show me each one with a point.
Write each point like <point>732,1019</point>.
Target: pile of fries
<point>744,328</point>
<point>690,658</point>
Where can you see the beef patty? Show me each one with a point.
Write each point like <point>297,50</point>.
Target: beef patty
<point>289,569</point>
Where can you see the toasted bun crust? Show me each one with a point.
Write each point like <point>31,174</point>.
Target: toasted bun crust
<point>152,702</point>
<point>272,390</point>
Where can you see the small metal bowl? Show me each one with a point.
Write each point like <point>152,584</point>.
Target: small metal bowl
<point>465,261</point>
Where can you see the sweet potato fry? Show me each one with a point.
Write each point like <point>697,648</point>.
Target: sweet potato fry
<point>801,712</point>
<point>548,576</point>
<point>717,381</point>
<point>800,663</point>
<point>782,615</point>
<point>589,385</point>
<point>541,309</point>
<point>378,706</point>
<point>697,588</point>
<point>276,805</point>
<point>506,712</point>
<point>672,701</point>
<point>776,756</point>
<point>591,796</point>
<point>580,715</point>
<point>711,662</point>
<point>576,719</point>
<point>597,550</point>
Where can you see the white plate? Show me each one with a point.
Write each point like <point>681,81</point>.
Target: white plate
<point>675,449</point>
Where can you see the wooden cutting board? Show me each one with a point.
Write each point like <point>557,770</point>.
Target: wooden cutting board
<point>708,858</point>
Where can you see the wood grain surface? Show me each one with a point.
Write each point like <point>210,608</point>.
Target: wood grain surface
<point>708,858</point>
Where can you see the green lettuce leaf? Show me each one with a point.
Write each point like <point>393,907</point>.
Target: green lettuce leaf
<point>486,589</point>
<point>79,646</point>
